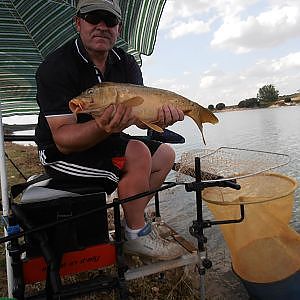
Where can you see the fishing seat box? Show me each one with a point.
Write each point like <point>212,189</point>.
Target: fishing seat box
<point>36,210</point>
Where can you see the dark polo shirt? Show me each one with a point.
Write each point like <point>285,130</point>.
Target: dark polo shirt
<point>66,73</point>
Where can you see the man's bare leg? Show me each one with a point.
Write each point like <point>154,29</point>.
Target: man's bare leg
<point>140,169</point>
<point>135,180</point>
<point>162,162</point>
<point>142,174</point>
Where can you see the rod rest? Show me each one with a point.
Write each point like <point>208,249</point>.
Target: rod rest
<point>19,138</point>
<point>198,186</point>
<point>167,136</point>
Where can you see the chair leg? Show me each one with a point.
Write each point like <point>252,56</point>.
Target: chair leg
<point>121,266</point>
<point>53,280</point>
<point>123,290</point>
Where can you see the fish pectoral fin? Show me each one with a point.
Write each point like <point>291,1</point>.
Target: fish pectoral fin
<point>135,101</point>
<point>152,126</point>
<point>75,116</point>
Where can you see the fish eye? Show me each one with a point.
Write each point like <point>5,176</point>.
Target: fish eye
<point>90,91</point>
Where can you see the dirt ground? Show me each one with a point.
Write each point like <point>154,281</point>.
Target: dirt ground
<point>183,283</point>
<point>220,283</point>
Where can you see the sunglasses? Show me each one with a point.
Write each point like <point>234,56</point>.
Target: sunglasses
<point>95,17</point>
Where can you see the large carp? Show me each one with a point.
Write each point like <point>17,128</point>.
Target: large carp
<point>145,102</point>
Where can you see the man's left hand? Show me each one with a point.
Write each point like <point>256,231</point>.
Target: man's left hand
<point>168,115</point>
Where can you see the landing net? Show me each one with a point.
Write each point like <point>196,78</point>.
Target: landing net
<point>265,232</point>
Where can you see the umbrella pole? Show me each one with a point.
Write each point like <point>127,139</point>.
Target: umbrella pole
<point>5,203</point>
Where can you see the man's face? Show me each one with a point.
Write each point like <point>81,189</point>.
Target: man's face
<point>98,37</point>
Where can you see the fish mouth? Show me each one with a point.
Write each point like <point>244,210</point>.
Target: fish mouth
<point>76,105</point>
<point>83,105</point>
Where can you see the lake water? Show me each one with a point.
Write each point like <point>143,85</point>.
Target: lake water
<point>273,129</point>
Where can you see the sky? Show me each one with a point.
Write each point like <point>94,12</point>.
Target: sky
<point>215,51</point>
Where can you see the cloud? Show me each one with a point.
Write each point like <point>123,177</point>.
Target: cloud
<point>192,26</point>
<point>241,26</point>
<point>216,85</point>
<point>270,28</point>
<point>177,9</point>
<point>178,14</point>
<point>207,81</point>
<point>232,87</point>
<point>170,84</point>
<point>291,61</point>
<point>275,67</point>
<point>181,18</point>
<point>238,31</point>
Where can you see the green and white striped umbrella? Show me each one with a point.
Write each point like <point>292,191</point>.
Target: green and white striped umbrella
<point>31,29</point>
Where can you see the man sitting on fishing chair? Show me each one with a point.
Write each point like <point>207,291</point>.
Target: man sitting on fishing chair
<point>95,151</point>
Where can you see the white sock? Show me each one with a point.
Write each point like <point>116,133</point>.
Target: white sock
<point>132,234</point>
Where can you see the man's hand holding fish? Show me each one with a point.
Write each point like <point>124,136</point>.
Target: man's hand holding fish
<point>115,118</point>
<point>168,115</point>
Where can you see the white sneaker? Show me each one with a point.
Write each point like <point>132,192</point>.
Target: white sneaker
<point>162,229</point>
<point>158,225</point>
<point>150,244</point>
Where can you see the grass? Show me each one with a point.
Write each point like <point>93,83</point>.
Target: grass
<point>175,284</point>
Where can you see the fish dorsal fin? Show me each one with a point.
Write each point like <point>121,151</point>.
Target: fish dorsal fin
<point>152,126</point>
<point>135,101</point>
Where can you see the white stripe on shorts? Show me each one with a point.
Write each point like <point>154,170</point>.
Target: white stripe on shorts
<point>81,171</point>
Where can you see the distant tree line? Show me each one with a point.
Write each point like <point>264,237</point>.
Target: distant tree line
<point>247,103</point>
<point>219,106</point>
<point>266,95</point>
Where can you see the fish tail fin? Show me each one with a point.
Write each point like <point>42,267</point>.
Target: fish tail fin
<point>202,115</point>
<point>196,117</point>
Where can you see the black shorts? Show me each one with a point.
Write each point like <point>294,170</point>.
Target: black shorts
<point>100,165</point>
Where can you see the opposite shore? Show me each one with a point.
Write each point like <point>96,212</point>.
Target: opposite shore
<point>275,104</point>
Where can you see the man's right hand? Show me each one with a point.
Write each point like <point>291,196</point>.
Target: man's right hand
<point>115,118</point>
<point>70,136</point>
